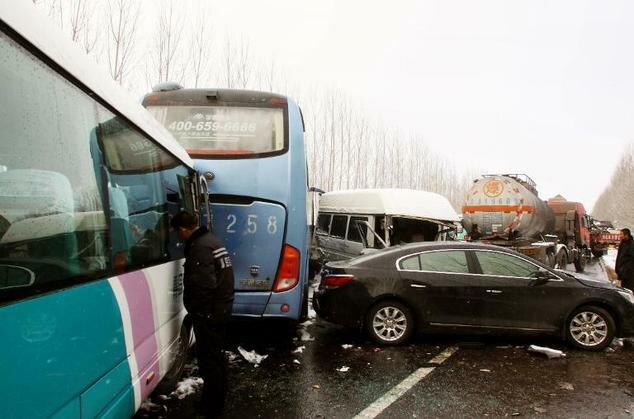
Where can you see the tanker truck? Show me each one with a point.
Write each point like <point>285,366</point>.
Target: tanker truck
<point>508,212</point>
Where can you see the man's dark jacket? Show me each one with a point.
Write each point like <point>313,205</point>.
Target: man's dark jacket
<point>625,263</point>
<point>208,274</point>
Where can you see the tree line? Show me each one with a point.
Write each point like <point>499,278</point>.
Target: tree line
<point>347,147</point>
<point>615,202</point>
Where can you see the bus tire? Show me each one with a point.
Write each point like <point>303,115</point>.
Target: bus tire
<point>182,349</point>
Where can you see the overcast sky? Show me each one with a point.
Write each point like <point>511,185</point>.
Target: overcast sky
<point>544,88</point>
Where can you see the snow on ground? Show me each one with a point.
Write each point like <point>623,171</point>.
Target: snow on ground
<point>187,387</point>
<point>252,356</point>
<point>609,259</point>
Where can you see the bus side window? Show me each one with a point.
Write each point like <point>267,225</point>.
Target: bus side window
<point>57,236</point>
<point>147,177</point>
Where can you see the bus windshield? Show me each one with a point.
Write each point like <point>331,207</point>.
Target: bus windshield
<point>223,130</point>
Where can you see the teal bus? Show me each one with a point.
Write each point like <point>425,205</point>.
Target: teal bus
<point>91,277</point>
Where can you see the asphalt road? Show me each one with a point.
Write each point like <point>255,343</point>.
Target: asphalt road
<point>481,377</point>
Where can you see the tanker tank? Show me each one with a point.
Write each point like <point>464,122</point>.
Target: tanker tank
<point>507,207</point>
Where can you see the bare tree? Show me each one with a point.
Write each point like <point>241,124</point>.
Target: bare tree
<point>121,22</point>
<point>166,59</point>
<point>200,52</point>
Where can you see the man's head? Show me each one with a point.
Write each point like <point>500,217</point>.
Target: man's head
<point>184,224</point>
<point>626,234</point>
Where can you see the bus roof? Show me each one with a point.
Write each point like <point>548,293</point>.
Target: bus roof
<point>26,20</point>
<point>396,202</point>
<point>206,96</point>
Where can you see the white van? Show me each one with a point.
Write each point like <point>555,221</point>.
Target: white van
<point>353,222</point>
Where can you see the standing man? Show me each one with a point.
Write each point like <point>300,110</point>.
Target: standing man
<point>208,297</point>
<point>625,260</point>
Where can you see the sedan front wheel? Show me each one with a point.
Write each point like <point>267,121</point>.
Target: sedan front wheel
<point>590,328</point>
<point>390,323</point>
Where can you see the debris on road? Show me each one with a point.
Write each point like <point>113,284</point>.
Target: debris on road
<point>343,369</point>
<point>376,350</point>
<point>549,352</point>
<point>539,409</point>
<point>296,361</point>
<point>567,386</point>
<point>231,356</point>
<point>187,387</point>
<point>346,346</point>
<point>305,336</point>
<point>253,357</point>
<point>299,350</point>
<point>316,386</point>
<point>485,370</point>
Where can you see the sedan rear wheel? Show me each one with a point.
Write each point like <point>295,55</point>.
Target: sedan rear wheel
<point>590,328</point>
<point>390,323</point>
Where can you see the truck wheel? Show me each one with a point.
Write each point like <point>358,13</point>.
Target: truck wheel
<point>580,262</point>
<point>550,260</point>
<point>562,259</point>
<point>590,328</point>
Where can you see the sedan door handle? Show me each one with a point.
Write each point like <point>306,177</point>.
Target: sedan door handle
<point>418,286</point>
<point>494,291</point>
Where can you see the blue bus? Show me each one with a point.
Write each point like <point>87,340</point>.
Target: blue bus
<point>250,146</point>
<point>91,277</point>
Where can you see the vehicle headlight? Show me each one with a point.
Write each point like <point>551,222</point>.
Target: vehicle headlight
<point>628,295</point>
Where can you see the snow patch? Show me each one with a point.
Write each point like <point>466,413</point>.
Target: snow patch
<point>252,356</point>
<point>187,387</point>
<point>299,350</point>
<point>549,352</point>
<point>343,369</point>
<point>305,336</point>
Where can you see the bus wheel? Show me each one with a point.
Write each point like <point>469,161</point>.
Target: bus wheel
<point>181,353</point>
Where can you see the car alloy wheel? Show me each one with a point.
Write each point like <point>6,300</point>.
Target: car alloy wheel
<point>590,328</point>
<point>390,323</point>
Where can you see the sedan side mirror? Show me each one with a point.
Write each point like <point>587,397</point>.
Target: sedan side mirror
<point>541,278</point>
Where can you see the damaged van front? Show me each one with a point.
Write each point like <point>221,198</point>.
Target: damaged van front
<point>355,222</point>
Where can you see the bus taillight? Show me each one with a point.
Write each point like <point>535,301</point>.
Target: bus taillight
<point>288,271</point>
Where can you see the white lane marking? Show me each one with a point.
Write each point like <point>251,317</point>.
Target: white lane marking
<point>401,388</point>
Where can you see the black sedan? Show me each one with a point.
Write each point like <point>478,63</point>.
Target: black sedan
<point>470,288</point>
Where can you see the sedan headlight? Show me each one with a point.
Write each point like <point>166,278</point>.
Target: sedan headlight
<point>628,295</point>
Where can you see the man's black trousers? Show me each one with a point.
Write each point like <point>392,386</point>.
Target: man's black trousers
<point>210,333</point>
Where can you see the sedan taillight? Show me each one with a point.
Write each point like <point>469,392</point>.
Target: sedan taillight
<point>336,280</point>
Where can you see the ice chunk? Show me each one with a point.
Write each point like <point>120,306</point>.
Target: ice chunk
<point>187,387</point>
<point>305,336</point>
<point>550,353</point>
<point>253,357</point>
